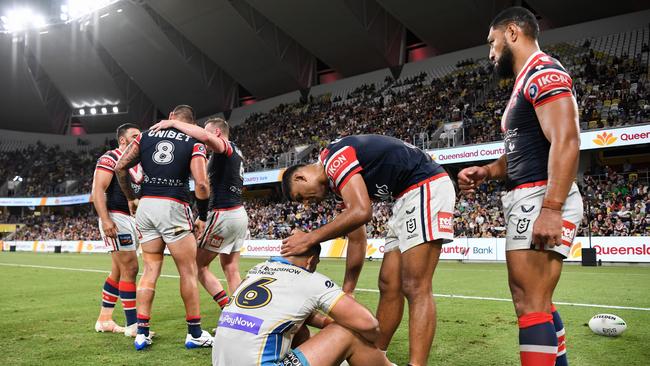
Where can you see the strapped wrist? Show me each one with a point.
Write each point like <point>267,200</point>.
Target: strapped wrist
<point>202,207</point>
<point>552,205</point>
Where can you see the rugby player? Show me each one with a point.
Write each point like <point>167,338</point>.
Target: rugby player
<point>164,217</point>
<point>227,220</point>
<point>371,167</point>
<point>543,207</point>
<point>265,319</point>
<point>117,229</point>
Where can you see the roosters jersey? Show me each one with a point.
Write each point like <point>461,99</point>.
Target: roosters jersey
<point>267,309</point>
<point>226,173</point>
<point>542,80</point>
<point>388,166</point>
<point>115,198</point>
<point>165,156</point>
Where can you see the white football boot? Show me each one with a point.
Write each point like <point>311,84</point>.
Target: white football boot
<point>205,340</point>
<point>142,341</point>
<point>108,326</point>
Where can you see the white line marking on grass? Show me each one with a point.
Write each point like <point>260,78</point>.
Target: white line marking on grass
<point>450,296</point>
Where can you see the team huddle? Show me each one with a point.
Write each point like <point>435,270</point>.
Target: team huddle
<point>141,194</point>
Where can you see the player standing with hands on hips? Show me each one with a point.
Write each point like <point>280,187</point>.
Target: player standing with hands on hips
<point>543,206</point>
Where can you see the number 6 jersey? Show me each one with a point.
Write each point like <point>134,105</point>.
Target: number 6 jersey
<point>165,157</point>
<point>268,308</point>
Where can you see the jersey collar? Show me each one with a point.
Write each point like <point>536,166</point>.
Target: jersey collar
<point>283,260</point>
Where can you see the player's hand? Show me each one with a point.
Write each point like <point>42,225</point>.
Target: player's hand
<point>133,206</point>
<point>297,243</point>
<point>163,125</point>
<point>547,229</point>
<point>109,228</point>
<point>199,228</point>
<point>470,178</point>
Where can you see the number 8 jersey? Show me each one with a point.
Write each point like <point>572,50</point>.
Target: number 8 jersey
<point>269,306</point>
<point>165,157</point>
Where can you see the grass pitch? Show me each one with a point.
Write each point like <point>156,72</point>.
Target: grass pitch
<point>47,314</point>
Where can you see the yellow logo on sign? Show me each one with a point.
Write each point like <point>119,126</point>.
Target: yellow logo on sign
<point>576,251</point>
<point>604,139</point>
<point>370,250</point>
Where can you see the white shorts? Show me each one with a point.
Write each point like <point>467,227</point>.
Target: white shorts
<point>163,217</point>
<point>127,236</point>
<point>522,206</point>
<point>423,214</point>
<point>225,230</point>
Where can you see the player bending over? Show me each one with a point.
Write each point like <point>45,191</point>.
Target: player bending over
<point>164,217</point>
<point>117,228</point>
<point>371,167</point>
<point>227,220</point>
<point>543,206</point>
<point>265,319</point>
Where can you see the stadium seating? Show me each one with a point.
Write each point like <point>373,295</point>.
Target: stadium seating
<point>618,204</point>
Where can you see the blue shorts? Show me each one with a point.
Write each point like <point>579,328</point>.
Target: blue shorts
<point>294,358</point>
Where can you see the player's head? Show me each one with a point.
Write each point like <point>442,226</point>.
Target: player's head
<point>219,126</point>
<point>126,133</point>
<point>309,259</point>
<point>304,183</point>
<point>512,28</point>
<point>183,113</point>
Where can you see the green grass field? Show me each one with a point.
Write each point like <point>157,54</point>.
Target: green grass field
<point>47,314</point>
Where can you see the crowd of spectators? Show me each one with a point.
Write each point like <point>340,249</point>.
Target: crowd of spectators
<point>78,224</point>
<point>616,204</point>
<point>612,91</point>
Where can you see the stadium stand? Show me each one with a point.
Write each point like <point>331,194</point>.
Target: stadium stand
<point>447,105</point>
<point>452,105</point>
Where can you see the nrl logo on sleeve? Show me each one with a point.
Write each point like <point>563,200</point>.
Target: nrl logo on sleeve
<point>522,225</point>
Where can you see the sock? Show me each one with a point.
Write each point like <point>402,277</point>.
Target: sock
<point>143,324</point>
<point>537,340</point>
<point>110,293</point>
<point>221,298</point>
<point>561,359</point>
<point>127,294</point>
<point>194,326</point>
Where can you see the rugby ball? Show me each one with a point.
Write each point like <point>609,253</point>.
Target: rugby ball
<point>608,325</point>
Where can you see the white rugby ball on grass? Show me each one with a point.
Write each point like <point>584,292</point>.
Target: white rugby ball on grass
<point>608,325</point>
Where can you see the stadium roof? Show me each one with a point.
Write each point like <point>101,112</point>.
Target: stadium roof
<point>149,55</point>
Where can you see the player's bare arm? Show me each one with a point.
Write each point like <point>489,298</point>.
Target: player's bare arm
<point>101,181</point>
<point>349,313</point>
<point>201,190</point>
<point>559,121</point>
<point>470,178</point>
<point>319,320</point>
<point>129,159</point>
<point>356,253</point>
<point>357,213</point>
<point>215,142</point>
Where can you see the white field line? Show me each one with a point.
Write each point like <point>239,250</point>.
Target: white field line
<point>451,296</point>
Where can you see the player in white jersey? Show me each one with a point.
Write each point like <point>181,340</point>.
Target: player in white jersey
<point>265,318</point>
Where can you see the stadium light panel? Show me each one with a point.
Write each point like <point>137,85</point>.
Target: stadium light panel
<point>21,19</point>
<point>82,112</point>
<point>93,110</point>
<point>115,109</point>
<point>75,9</point>
<point>104,110</point>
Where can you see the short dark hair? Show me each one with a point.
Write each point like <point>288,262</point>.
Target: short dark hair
<point>220,123</point>
<point>184,111</point>
<point>312,250</point>
<point>523,17</point>
<point>121,130</point>
<point>287,180</point>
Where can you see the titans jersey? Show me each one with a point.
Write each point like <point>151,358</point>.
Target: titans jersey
<point>165,156</point>
<point>226,173</point>
<point>115,198</point>
<point>387,165</point>
<point>266,311</point>
<point>542,80</point>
